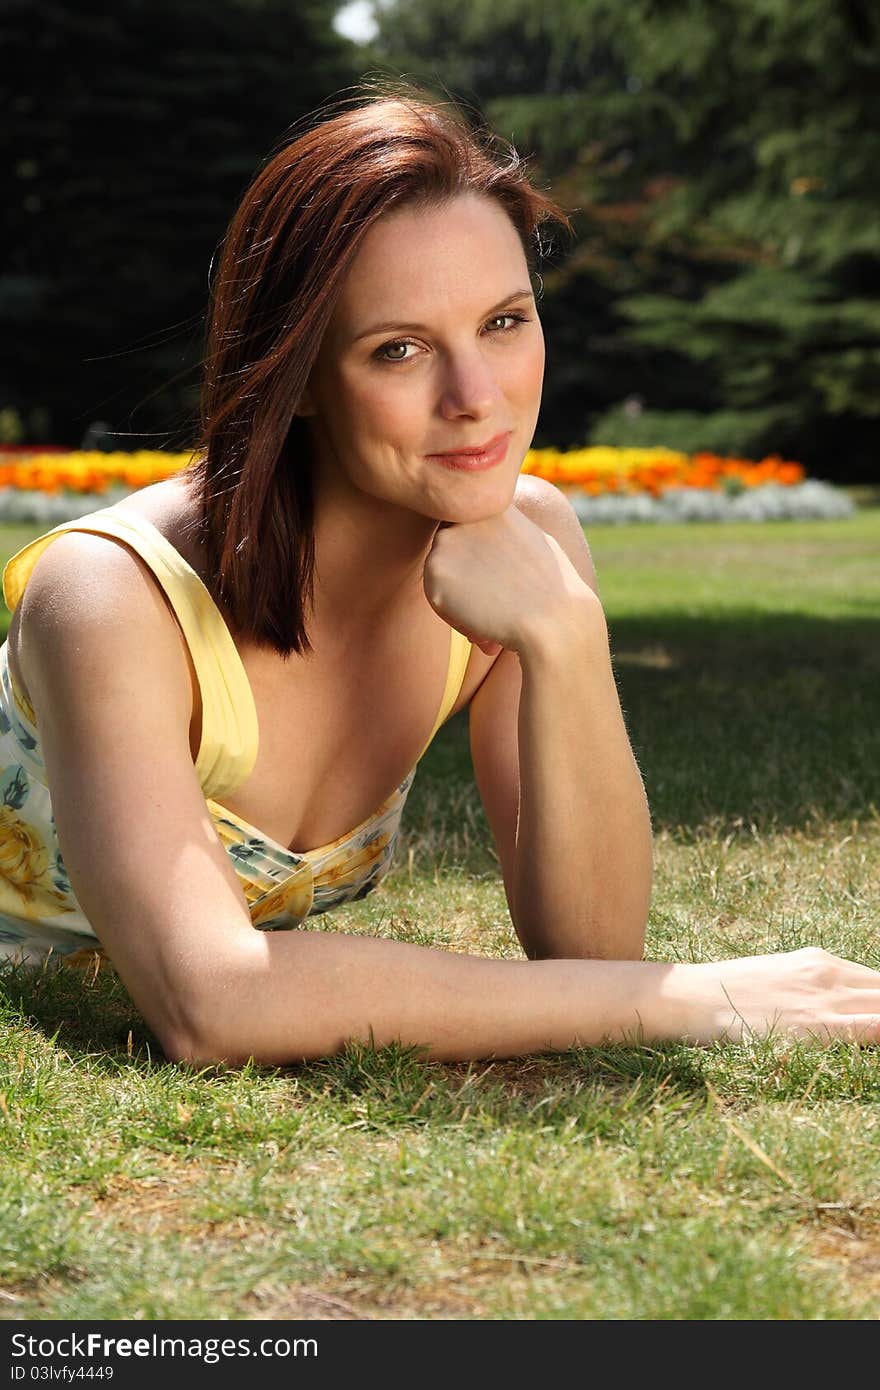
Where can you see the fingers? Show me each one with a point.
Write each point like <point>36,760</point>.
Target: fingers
<point>851,973</point>
<point>861,1028</point>
<point>857,1028</point>
<point>862,976</point>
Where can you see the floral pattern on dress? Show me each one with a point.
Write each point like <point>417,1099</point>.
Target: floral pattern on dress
<point>24,857</point>
<point>39,910</point>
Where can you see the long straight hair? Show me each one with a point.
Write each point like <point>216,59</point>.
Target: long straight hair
<point>282,263</point>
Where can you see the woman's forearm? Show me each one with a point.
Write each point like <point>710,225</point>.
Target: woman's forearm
<point>288,996</point>
<point>283,997</point>
<point>583,864</point>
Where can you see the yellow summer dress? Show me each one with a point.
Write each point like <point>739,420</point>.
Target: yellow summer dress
<point>38,909</point>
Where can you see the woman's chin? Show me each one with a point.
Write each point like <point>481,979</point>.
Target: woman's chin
<point>479,507</point>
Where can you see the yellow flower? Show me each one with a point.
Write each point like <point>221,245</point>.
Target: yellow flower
<point>24,868</point>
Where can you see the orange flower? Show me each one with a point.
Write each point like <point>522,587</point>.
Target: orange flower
<point>595,469</point>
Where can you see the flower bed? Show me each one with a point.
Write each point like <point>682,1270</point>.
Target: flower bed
<point>58,470</point>
<point>47,486</point>
<point>599,470</point>
<point>811,500</point>
<point>625,485</point>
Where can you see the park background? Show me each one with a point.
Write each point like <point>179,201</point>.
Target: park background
<point>721,294</point>
<point>722,291</point>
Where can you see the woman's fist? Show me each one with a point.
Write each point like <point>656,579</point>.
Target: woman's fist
<point>500,579</point>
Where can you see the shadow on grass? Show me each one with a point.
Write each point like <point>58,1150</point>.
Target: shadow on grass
<point>769,720</point>
<point>86,1016</point>
<point>772,720</point>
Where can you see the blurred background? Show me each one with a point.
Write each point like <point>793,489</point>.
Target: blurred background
<point>719,157</point>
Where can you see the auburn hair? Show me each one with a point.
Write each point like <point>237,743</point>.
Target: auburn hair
<point>281,266</point>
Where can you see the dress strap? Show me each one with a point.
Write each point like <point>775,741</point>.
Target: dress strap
<point>230,730</point>
<point>459,656</point>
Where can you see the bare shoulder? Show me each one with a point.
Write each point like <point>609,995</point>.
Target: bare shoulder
<point>106,667</point>
<point>102,575</point>
<point>534,493</point>
<point>91,600</point>
<point>83,573</point>
<point>548,507</point>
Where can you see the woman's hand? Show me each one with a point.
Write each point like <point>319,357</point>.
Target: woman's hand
<point>808,994</point>
<point>500,579</point>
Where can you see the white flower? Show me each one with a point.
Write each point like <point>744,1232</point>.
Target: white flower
<point>810,500</point>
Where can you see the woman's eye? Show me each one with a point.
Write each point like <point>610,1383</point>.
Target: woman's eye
<point>389,347</point>
<point>514,319</point>
<point>396,351</point>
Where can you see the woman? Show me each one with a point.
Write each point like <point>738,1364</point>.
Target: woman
<point>207,684</point>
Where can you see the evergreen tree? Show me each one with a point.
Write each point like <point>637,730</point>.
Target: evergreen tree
<point>132,132</point>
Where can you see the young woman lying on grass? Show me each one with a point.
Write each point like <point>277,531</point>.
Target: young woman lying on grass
<point>207,684</point>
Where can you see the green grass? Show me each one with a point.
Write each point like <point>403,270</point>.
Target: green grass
<point>623,1182</point>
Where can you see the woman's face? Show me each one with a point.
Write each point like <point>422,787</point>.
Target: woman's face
<point>434,345</point>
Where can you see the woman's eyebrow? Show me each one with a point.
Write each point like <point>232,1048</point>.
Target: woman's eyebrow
<point>395,327</point>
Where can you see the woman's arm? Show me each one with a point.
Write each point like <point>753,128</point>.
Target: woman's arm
<point>106,670</point>
<point>283,997</point>
<point>288,996</point>
<point>551,755</point>
<point>583,861</point>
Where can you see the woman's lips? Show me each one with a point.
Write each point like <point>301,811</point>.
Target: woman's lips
<point>477,460</point>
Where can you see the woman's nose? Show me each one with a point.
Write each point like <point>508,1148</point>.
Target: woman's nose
<point>469,388</point>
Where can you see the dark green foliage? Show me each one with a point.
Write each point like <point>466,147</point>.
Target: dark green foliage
<point>134,130</point>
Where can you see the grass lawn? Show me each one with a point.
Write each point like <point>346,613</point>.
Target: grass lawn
<point>653,1182</point>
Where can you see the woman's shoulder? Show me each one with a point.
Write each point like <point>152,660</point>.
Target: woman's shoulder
<point>83,576</point>
<point>171,508</point>
<point>88,596</point>
<point>103,575</point>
